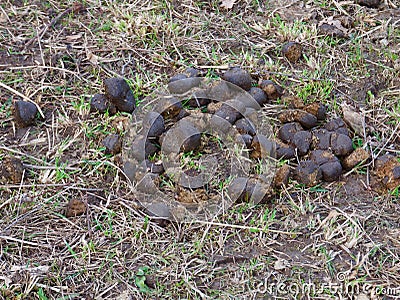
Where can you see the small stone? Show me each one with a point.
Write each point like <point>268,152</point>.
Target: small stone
<point>113,144</point>
<point>308,173</point>
<point>11,170</point>
<point>292,51</point>
<point>271,89</point>
<point>320,157</point>
<point>282,176</point>
<point>24,113</point>
<point>153,124</point>
<point>100,103</point>
<point>238,77</point>
<point>75,208</point>
<point>244,126</point>
<point>259,95</point>
<point>302,141</point>
<point>331,171</point>
<point>287,131</point>
<point>341,144</point>
<point>120,94</point>
<point>306,119</point>
<point>357,156</point>
<point>321,139</point>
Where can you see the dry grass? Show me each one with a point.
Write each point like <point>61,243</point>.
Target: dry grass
<point>303,236</point>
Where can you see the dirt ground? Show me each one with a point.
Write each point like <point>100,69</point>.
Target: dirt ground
<point>338,240</point>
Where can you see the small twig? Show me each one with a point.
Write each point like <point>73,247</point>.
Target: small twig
<point>9,238</point>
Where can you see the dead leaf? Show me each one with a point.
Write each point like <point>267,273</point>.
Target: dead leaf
<point>281,264</point>
<point>94,59</point>
<point>354,119</point>
<point>228,4</point>
<point>336,23</point>
<point>73,38</point>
